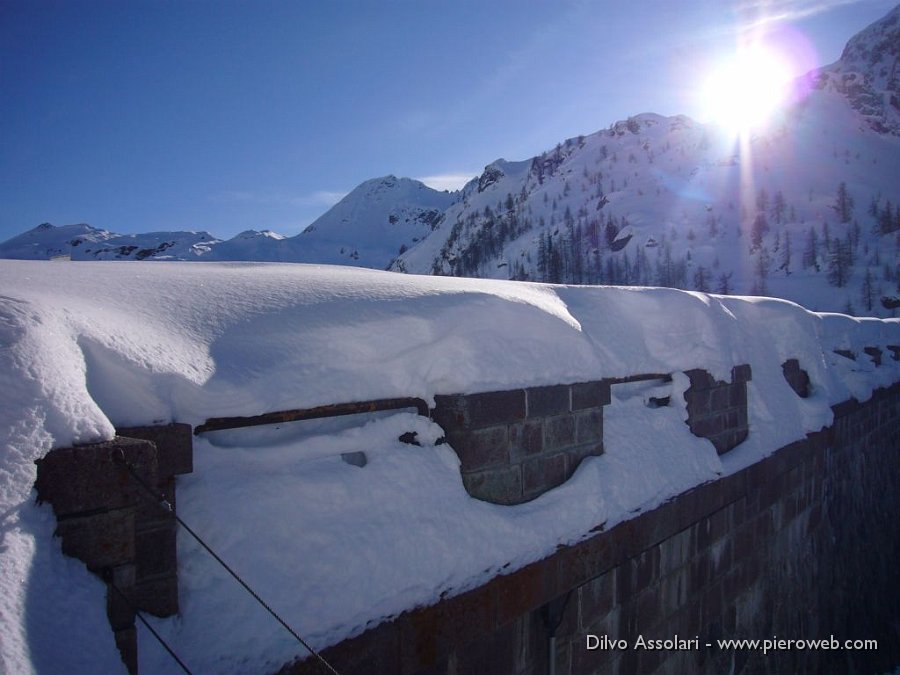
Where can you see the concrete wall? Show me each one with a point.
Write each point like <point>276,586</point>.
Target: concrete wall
<point>803,544</point>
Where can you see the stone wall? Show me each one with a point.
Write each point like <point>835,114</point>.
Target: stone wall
<point>515,445</point>
<point>802,544</point>
<point>718,410</point>
<point>107,518</point>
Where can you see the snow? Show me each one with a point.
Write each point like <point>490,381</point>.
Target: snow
<point>89,346</point>
<point>680,198</point>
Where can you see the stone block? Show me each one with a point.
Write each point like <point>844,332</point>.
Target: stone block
<point>646,568</point>
<point>120,580</point>
<point>594,394</point>
<point>543,473</point>
<point>376,650</point>
<point>102,539</point>
<point>596,600</point>
<point>674,551</point>
<point>741,373</point>
<point>728,440</point>
<point>126,642</point>
<point>720,397</point>
<point>700,379</point>
<point>157,595</point>
<point>481,448</point>
<point>525,440</point>
<point>738,395</point>
<point>492,653</point>
<point>559,432</point>
<point>92,477</point>
<point>574,456</point>
<point>155,552</point>
<point>473,411</point>
<point>548,401</point>
<point>519,593</point>
<point>707,427</point>
<point>589,426</point>
<point>502,485</point>
<point>174,443</point>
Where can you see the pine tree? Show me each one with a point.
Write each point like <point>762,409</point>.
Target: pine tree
<point>542,255</point>
<point>761,271</point>
<point>760,228</point>
<point>778,207</point>
<point>811,250</point>
<point>724,284</point>
<point>701,279</point>
<point>886,222</point>
<point>843,203</point>
<point>868,290</point>
<point>838,271</point>
<point>786,253</point>
<point>762,201</point>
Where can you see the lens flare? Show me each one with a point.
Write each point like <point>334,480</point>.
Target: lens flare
<point>743,92</point>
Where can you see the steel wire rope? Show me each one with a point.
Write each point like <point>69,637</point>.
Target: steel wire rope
<point>144,621</point>
<point>164,503</point>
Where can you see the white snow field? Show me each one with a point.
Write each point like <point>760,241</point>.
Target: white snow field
<point>334,548</point>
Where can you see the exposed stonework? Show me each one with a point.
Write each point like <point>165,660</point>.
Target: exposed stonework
<point>108,520</point>
<point>515,445</point>
<point>718,410</point>
<point>794,546</point>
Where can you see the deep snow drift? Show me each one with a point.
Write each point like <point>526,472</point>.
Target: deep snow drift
<point>335,547</point>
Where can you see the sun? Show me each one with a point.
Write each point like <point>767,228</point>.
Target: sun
<point>743,92</point>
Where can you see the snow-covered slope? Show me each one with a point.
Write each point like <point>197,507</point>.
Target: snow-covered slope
<point>868,74</point>
<point>807,209</point>
<point>47,241</point>
<point>90,346</point>
<point>373,224</point>
<point>84,242</point>
<point>369,227</point>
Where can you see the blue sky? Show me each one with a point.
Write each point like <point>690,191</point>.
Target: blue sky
<point>225,116</point>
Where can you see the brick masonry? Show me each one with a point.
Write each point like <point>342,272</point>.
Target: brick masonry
<point>106,519</point>
<point>718,410</point>
<point>800,545</point>
<point>515,445</point>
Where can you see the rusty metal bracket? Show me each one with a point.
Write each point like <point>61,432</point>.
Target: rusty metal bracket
<point>334,410</point>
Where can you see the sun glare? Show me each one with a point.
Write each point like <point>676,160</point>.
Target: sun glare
<point>743,92</point>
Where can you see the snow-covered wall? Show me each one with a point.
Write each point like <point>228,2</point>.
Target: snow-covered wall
<point>794,547</point>
<point>88,347</point>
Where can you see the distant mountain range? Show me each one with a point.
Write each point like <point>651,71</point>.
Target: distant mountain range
<point>808,210</point>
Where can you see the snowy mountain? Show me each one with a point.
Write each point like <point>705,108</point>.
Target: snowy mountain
<point>868,74</point>
<point>368,228</point>
<point>377,221</point>
<point>806,209</point>
<point>84,242</point>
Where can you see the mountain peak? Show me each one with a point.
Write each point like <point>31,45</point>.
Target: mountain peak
<point>868,74</point>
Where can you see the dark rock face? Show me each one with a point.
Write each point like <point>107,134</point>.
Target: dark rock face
<point>490,176</point>
<point>868,74</point>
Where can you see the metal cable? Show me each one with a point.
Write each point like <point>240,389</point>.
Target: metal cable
<point>144,621</point>
<point>164,503</point>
